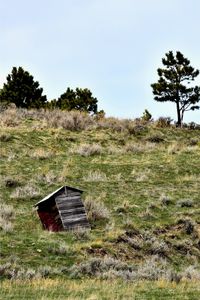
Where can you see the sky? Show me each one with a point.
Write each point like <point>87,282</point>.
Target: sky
<point>112,47</point>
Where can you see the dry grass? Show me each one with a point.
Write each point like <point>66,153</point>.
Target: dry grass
<point>87,150</point>
<point>174,148</point>
<point>93,176</point>
<point>95,289</point>
<point>41,153</point>
<point>95,209</point>
<point>10,118</point>
<point>73,120</point>
<point>7,214</point>
<point>28,191</point>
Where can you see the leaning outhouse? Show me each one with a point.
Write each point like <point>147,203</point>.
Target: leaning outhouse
<point>62,210</point>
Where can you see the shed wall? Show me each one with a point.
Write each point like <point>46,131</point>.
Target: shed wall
<point>71,210</point>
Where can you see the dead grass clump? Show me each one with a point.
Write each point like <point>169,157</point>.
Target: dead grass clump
<point>163,122</point>
<point>6,211</point>
<point>95,176</point>
<point>152,269</point>
<point>95,210</point>
<point>188,225</point>
<point>7,214</point>
<point>48,178</point>
<point>69,120</point>
<point>81,234</point>
<point>27,191</point>
<point>174,148</point>
<point>88,150</point>
<point>16,272</point>
<point>147,215</point>
<point>41,154</point>
<point>165,200</point>
<point>5,137</point>
<point>96,267</point>
<point>185,203</point>
<point>10,117</point>
<point>114,150</point>
<point>159,248</point>
<point>141,176</point>
<point>193,142</point>
<point>191,273</point>
<point>156,138</point>
<point>56,249</point>
<point>11,183</point>
<point>134,148</point>
<point>113,123</point>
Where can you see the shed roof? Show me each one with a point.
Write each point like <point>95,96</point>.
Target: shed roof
<point>56,191</point>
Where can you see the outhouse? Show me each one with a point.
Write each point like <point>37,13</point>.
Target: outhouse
<point>62,210</point>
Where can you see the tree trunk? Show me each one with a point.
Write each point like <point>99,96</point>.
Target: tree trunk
<point>179,121</point>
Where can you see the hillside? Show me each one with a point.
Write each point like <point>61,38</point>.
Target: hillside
<point>141,184</point>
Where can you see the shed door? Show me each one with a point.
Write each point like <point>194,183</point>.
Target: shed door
<point>72,211</point>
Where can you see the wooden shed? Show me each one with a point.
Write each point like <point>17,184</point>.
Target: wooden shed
<point>62,210</point>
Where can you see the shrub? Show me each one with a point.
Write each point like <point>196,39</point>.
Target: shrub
<point>95,176</point>
<point>193,142</point>
<point>146,115</point>
<point>174,148</point>
<point>10,183</point>
<point>81,234</point>
<point>185,203</point>
<point>191,273</point>
<point>163,122</point>
<point>134,148</point>
<point>41,154</point>
<point>165,200</point>
<point>56,249</point>
<point>95,210</point>
<point>5,138</point>
<point>88,150</point>
<point>24,192</point>
<point>7,213</point>
<point>71,120</point>
<point>155,138</point>
<point>97,267</point>
<point>188,225</point>
<point>10,118</point>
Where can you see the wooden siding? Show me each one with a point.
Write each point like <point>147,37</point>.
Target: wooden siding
<point>71,210</point>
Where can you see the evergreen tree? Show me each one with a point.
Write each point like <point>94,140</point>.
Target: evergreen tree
<point>80,99</point>
<point>22,90</point>
<point>174,84</point>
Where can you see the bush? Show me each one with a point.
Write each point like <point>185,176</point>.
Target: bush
<point>88,150</point>
<point>155,139</point>
<point>95,210</point>
<point>95,176</point>
<point>24,192</point>
<point>7,214</point>
<point>163,122</point>
<point>185,203</point>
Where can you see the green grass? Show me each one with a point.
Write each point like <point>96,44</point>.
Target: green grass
<point>132,186</point>
<point>96,289</point>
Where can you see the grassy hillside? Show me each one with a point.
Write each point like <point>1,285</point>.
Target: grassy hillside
<point>141,187</point>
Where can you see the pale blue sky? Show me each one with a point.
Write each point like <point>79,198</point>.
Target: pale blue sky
<point>112,47</point>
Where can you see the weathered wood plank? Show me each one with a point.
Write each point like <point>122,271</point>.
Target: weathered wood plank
<point>67,198</point>
<point>74,218</point>
<point>76,224</point>
<point>72,211</point>
<point>68,207</point>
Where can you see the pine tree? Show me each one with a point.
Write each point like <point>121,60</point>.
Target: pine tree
<point>22,90</point>
<point>80,99</point>
<point>174,84</point>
